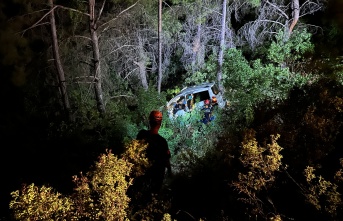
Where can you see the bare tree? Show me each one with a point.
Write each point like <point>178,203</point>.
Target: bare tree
<point>143,61</point>
<point>60,76</point>
<point>200,30</point>
<point>57,60</point>
<point>132,48</point>
<point>97,27</point>
<point>295,15</point>
<point>222,47</point>
<point>96,54</point>
<point>274,15</point>
<point>159,46</point>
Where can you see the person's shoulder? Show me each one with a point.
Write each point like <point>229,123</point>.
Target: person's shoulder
<point>160,136</point>
<point>162,140</point>
<point>142,134</point>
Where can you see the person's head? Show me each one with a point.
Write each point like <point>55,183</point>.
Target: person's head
<point>155,118</point>
<point>214,99</point>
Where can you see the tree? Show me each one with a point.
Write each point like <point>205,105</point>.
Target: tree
<point>274,16</point>
<point>159,46</point>
<point>222,48</point>
<point>83,64</point>
<point>198,35</point>
<point>96,54</point>
<point>57,60</point>
<point>48,18</point>
<point>131,48</point>
<point>295,15</point>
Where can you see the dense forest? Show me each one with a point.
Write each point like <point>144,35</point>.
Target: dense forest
<point>79,79</point>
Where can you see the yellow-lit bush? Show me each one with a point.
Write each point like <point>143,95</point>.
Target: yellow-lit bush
<point>261,163</point>
<point>135,154</point>
<point>99,195</point>
<point>39,203</point>
<point>323,194</point>
<point>154,210</point>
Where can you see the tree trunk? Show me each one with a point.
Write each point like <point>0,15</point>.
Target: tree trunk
<point>96,58</point>
<point>295,15</point>
<point>57,60</point>
<point>221,49</point>
<point>196,47</point>
<point>142,64</point>
<point>159,46</point>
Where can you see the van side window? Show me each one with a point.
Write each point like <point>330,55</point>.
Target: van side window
<point>215,89</point>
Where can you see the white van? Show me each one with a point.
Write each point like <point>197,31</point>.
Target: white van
<point>196,94</point>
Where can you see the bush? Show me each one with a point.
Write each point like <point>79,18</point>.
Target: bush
<point>260,163</point>
<point>39,203</point>
<point>99,195</point>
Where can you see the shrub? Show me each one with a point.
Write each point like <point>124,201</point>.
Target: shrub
<point>39,203</point>
<point>321,193</point>
<point>260,163</point>
<point>99,195</point>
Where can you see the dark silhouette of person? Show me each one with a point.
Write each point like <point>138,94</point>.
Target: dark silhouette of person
<point>157,153</point>
<point>207,109</point>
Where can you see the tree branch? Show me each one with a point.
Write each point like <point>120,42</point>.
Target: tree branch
<point>41,19</point>
<point>46,14</point>
<point>72,9</point>
<point>119,14</point>
<point>100,12</point>
<point>276,22</point>
<point>81,36</point>
<point>113,97</point>
<point>278,9</point>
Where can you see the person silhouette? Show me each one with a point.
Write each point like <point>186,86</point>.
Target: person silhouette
<point>157,152</point>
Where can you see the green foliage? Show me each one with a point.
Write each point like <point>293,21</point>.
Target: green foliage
<point>208,74</point>
<point>39,203</point>
<point>119,124</point>
<point>182,1</point>
<point>190,140</point>
<point>86,105</point>
<point>148,100</point>
<point>171,92</point>
<point>197,78</point>
<point>308,123</point>
<point>289,50</point>
<point>77,19</point>
<point>249,84</point>
<point>255,3</point>
<point>171,24</point>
